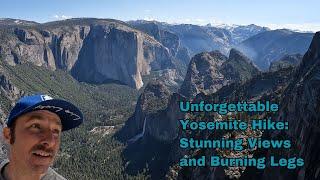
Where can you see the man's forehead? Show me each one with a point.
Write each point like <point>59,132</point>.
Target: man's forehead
<point>42,114</point>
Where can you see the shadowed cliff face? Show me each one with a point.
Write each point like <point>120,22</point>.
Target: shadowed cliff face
<point>203,74</point>
<point>152,132</point>
<point>157,110</point>
<point>95,51</point>
<point>301,107</point>
<point>101,57</point>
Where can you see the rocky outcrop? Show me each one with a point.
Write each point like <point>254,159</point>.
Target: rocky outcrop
<point>264,86</point>
<point>238,67</point>
<point>164,125</point>
<point>285,62</point>
<point>208,72</point>
<point>170,77</point>
<point>94,50</point>
<point>8,90</point>
<point>155,115</point>
<point>152,133</point>
<point>154,98</point>
<point>203,74</point>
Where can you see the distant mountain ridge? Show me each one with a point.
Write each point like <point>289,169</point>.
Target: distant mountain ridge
<point>266,47</point>
<point>198,38</point>
<point>260,44</point>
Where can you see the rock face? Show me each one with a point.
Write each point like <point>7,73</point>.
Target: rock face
<point>163,125</point>
<point>285,62</point>
<point>7,88</point>
<point>94,50</point>
<point>155,115</point>
<point>152,133</point>
<point>265,86</point>
<point>269,46</point>
<point>166,37</point>
<point>208,72</point>
<point>203,74</point>
<point>238,67</point>
<point>55,48</point>
<point>198,39</point>
<point>154,97</point>
<point>300,107</point>
<point>105,46</point>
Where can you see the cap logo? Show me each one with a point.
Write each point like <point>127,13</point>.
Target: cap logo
<point>57,109</point>
<point>45,97</point>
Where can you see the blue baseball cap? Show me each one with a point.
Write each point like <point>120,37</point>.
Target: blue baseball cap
<point>69,114</point>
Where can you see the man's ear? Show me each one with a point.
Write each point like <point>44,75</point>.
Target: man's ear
<point>6,134</point>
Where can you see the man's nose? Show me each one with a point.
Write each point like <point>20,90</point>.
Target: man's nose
<point>49,139</point>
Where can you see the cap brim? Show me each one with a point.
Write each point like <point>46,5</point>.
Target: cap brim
<point>69,114</point>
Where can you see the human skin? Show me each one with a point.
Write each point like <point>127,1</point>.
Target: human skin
<point>35,146</point>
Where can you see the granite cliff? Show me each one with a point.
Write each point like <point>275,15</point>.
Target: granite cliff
<point>153,130</point>
<point>94,50</point>
<point>210,71</point>
<point>155,114</point>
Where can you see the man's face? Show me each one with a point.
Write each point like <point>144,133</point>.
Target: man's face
<point>36,140</point>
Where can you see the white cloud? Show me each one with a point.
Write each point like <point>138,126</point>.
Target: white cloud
<point>61,17</point>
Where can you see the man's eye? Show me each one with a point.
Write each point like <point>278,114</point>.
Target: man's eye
<point>56,131</point>
<point>36,126</point>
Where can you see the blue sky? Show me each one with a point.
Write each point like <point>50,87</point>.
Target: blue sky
<point>302,15</point>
